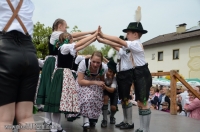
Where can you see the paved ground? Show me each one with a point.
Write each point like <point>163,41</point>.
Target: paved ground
<point>160,122</point>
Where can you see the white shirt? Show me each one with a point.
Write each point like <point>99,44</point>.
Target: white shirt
<point>55,36</point>
<point>65,48</point>
<point>114,82</point>
<point>183,98</point>
<point>41,62</point>
<point>25,14</point>
<point>82,67</point>
<point>137,52</point>
<point>126,62</point>
<point>79,58</point>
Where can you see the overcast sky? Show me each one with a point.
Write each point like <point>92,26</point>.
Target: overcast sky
<point>158,16</point>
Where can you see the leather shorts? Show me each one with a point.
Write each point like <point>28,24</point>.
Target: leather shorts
<point>19,69</point>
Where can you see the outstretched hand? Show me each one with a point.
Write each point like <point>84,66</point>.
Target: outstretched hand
<point>100,32</point>
<point>99,39</point>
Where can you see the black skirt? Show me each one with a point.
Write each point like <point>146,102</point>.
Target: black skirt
<point>19,69</point>
<point>124,82</point>
<point>142,83</point>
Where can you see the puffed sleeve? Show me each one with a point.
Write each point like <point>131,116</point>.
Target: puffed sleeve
<point>82,67</point>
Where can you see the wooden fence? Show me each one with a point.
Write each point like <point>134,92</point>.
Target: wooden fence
<point>173,76</point>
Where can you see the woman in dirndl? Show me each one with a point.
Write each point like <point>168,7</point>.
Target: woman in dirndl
<point>62,96</point>
<point>90,83</point>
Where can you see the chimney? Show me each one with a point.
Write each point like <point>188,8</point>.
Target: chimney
<point>181,28</point>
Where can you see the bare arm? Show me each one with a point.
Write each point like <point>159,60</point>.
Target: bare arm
<point>79,38</point>
<point>84,82</point>
<point>116,48</point>
<point>112,38</point>
<point>109,89</point>
<point>85,45</point>
<point>78,34</point>
<point>105,60</point>
<point>105,41</point>
<point>85,40</point>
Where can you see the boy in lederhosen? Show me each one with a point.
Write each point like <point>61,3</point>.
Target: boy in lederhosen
<point>124,82</point>
<point>142,76</point>
<point>19,70</point>
<point>110,92</point>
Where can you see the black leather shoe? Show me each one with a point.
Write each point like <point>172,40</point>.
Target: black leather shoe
<point>47,126</point>
<point>120,124</point>
<point>40,109</point>
<point>92,124</point>
<point>127,126</point>
<point>138,130</point>
<point>112,120</point>
<point>85,128</point>
<point>104,123</point>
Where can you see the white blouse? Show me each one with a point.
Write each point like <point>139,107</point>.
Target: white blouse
<point>126,62</point>
<point>25,14</point>
<point>82,66</point>
<point>137,52</point>
<point>65,48</point>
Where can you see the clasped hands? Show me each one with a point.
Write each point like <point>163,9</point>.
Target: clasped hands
<point>98,35</point>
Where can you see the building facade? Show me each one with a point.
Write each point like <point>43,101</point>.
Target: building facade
<point>175,51</point>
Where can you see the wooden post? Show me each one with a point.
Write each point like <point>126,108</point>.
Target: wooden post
<point>173,104</point>
<point>186,85</point>
<point>160,74</point>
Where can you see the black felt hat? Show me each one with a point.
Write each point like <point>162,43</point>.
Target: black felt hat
<point>135,27</point>
<point>112,65</point>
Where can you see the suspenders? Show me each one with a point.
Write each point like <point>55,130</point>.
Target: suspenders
<point>15,15</point>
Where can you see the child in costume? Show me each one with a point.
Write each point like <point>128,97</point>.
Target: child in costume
<point>124,82</point>
<point>110,92</point>
<point>90,84</point>
<point>62,96</point>
<point>141,74</point>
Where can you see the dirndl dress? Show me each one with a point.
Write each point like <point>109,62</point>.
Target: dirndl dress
<point>63,97</point>
<point>45,80</point>
<point>90,99</point>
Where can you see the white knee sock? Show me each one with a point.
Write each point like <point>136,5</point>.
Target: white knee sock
<point>86,121</point>
<point>48,117</point>
<point>56,120</point>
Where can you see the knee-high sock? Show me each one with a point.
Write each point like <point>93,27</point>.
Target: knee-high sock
<point>124,113</point>
<point>56,120</point>
<point>112,114</point>
<point>146,115</point>
<point>141,119</point>
<point>129,113</point>
<point>105,112</point>
<point>86,121</point>
<point>48,119</point>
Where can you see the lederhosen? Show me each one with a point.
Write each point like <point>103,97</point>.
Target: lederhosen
<point>63,87</point>
<point>124,82</point>
<point>48,69</point>
<point>142,83</point>
<point>19,70</point>
<point>113,96</point>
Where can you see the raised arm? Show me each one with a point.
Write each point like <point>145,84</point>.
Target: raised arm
<point>112,38</point>
<point>85,45</point>
<point>79,38</point>
<point>105,41</point>
<point>85,40</point>
<point>78,34</point>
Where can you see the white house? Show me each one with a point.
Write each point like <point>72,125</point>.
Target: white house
<point>179,51</point>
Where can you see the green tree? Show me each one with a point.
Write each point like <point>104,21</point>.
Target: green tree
<point>105,50</point>
<point>88,50</point>
<point>40,39</point>
<point>75,29</point>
